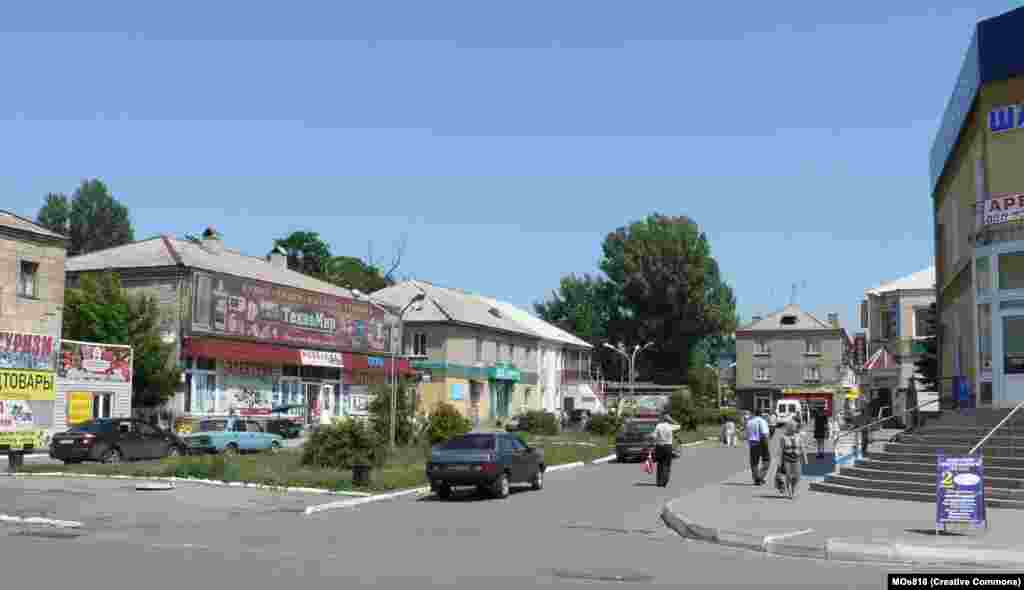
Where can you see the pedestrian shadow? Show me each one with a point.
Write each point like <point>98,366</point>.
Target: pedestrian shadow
<point>644,484</point>
<point>772,496</point>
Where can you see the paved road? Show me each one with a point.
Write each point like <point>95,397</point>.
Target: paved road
<point>590,523</point>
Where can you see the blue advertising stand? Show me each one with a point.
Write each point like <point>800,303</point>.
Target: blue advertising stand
<point>960,492</point>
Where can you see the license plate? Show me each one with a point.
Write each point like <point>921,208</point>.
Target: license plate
<point>67,442</point>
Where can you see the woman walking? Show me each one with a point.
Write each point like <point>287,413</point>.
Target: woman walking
<point>791,459</point>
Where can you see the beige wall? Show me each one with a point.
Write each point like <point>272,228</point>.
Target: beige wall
<point>44,314</point>
<point>787,360</point>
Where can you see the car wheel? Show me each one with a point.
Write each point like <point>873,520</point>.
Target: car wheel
<point>275,447</point>
<point>537,482</point>
<point>231,449</point>
<point>620,459</point>
<point>501,486</point>
<point>444,491</point>
<point>111,456</point>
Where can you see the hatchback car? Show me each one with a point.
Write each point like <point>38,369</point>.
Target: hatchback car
<point>112,440</point>
<point>490,461</point>
<point>636,439</point>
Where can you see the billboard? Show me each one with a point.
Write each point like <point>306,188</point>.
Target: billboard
<point>229,306</point>
<point>86,361</point>
<point>33,352</point>
<point>1002,208</point>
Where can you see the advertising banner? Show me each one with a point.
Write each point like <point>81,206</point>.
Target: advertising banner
<point>960,491</point>
<point>27,385</point>
<point>79,407</point>
<point>15,415</point>
<point>33,352</point>
<point>18,440</point>
<point>86,361</point>
<point>321,358</point>
<point>1001,208</point>
<point>254,310</point>
<point>249,395</point>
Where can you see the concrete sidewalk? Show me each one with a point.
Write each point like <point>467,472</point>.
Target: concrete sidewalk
<point>842,528</point>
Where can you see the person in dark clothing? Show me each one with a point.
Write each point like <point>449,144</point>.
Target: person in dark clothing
<point>760,451</point>
<point>820,431</point>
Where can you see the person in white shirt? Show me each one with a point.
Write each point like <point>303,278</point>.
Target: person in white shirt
<point>663,447</point>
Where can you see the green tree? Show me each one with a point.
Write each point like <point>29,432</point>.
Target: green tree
<point>55,214</point>
<point>97,220</point>
<point>307,252</point>
<point>380,412</point>
<point>672,286</point>
<point>927,365</point>
<point>99,310</point>
<point>353,273</point>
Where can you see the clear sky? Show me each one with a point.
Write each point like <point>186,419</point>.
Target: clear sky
<point>504,139</point>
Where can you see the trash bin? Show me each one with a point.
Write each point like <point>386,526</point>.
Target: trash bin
<point>361,475</point>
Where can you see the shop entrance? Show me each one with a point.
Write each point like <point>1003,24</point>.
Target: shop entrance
<point>501,396</point>
<point>311,392</point>
<point>1013,358</point>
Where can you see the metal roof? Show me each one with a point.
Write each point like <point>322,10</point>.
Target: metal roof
<point>922,280</point>
<point>15,221</point>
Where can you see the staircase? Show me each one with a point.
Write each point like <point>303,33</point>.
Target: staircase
<point>905,466</point>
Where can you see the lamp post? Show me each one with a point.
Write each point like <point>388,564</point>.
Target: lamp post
<point>631,359</point>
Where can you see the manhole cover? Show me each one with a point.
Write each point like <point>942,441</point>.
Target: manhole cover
<point>604,575</point>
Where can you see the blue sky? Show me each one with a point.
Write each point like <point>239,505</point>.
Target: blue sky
<point>504,141</point>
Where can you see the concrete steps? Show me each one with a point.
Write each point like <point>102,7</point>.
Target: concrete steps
<point>890,494</point>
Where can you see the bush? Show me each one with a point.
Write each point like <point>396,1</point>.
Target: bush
<point>539,422</point>
<point>380,414</point>
<point>684,411</point>
<point>604,424</point>
<point>445,423</point>
<point>345,443</point>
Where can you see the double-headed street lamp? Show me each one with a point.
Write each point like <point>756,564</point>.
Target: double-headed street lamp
<point>631,359</point>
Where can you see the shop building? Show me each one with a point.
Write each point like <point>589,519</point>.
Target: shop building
<point>977,187</point>
<point>791,354</point>
<point>253,336</point>
<point>895,317</point>
<point>489,359</point>
<point>31,303</point>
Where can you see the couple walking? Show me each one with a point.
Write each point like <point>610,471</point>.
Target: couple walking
<point>791,451</point>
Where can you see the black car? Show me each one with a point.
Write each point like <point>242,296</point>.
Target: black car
<point>490,461</point>
<point>636,439</point>
<point>112,440</point>
<point>283,427</point>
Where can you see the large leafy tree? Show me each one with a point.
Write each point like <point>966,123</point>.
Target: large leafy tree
<point>307,252</point>
<point>100,310</point>
<point>927,364</point>
<point>93,218</point>
<point>353,273</point>
<point>55,215</point>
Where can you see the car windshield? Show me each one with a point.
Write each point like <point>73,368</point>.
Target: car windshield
<point>94,427</point>
<point>641,427</point>
<point>472,442</point>
<point>213,426</point>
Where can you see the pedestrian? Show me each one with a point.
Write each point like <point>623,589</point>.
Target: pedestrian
<point>773,422</point>
<point>730,431</point>
<point>820,431</point>
<point>757,441</point>
<point>663,447</point>
<point>792,456</point>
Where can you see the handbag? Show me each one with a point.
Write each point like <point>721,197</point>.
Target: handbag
<point>649,463</point>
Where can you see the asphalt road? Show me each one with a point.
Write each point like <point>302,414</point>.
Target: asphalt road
<point>589,525</point>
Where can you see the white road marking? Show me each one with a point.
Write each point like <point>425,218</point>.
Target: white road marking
<point>64,524</point>
<point>602,460</point>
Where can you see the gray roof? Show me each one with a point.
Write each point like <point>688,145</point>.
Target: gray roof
<point>165,251</point>
<point>444,304</point>
<point>15,221</point>
<point>773,322</point>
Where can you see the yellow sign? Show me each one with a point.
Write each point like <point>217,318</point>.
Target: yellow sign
<point>19,439</point>
<point>853,394</point>
<point>79,407</point>
<point>27,385</point>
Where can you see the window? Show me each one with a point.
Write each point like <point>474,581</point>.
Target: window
<point>985,336</point>
<point>101,405</point>
<point>762,347</point>
<point>788,320</point>
<point>470,442</point>
<point>762,404</point>
<point>252,427</point>
<point>479,348</point>
<point>812,374</point>
<point>1013,345</point>
<point>1011,271</point>
<point>812,347</point>
<point>511,353</point>
<point>922,319</point>
<point>885,324</point>
<point>515,444</point>
<point>203,302</point>
<point>204,393</point>
<point>125,427</point>
<point>28,279</point>
<point>983,277</point>
<point>419,344</point>
<point>760,374</point>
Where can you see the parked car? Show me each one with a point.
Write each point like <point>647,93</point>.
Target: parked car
<point>490,461</point>
<point>112,440</point>
<point>636,439</point>
<point>230,436</point>
<point>283,427</point>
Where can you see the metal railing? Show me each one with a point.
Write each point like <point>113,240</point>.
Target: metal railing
<point>852,431</point>
<point>1005,419</point>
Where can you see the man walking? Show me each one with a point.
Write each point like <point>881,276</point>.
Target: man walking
<point>663,447</point>
<point>760,451</point>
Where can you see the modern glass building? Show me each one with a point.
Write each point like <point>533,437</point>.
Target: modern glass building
<point>977,182</point>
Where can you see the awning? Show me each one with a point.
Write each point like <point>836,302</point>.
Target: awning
<point>376,364</point>
<point>246,352</point>
<point>881,360</point>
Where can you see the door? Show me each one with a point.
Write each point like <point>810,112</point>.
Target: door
<point>154,445</point>
<point>475,388</point>
<point>523,463</point>
<point>237,434</point>
<point>311,394</point>
<point>254,439</point>
<point>129,440</point>
<point>1013,358</point>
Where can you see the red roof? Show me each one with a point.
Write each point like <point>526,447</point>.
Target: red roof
<point>882,359</point>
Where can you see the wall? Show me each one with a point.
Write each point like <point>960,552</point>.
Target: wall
<point>744,363</point>
<point>122,407</point>
<point>787,359</point>
<point>43,315</point>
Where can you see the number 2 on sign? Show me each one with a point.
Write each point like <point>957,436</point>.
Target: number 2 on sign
<point>947,479</point>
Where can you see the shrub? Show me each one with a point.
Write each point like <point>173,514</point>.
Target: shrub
<point>540,422</point>
<point>345,443</point>
<point>684,411</point>
<point>604,424</point>
<point>445,423</point>
<point>380,414</point>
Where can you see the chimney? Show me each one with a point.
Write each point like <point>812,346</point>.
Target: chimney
<point>212,242</point>
<point>278,257</point>
<point>833,320</point>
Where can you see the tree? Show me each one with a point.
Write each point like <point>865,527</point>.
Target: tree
<point>99,310</point>
<point>55,215</point>
<point>668,279</point>
<point>380,412</point>
<point>96,221</point>
<point>307,252</point>
<point>927,364</point>
<point>353,273</point>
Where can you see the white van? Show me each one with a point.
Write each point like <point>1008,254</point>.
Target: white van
<point>789,409</point>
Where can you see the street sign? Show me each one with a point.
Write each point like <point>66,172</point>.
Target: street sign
<point>960,491</point>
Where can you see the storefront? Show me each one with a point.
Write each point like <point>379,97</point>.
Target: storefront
<point>93,381</point>
<point>502,380</point>
<point>27,389</point>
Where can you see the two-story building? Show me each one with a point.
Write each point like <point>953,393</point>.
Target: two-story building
<point>792,354</point>
<point>31,305</point>
<point>489,359</point>
<point>895,318</point>
<point>252,335</point>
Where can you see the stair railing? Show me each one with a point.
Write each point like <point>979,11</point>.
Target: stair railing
<point>997,427</point>
<point>851,431</point>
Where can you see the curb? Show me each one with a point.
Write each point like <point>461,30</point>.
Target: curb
<point>204,482</point>
<point>881,551</point>
<point>64,524</point>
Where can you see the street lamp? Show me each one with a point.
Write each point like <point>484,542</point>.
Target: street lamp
<point>631,359</point>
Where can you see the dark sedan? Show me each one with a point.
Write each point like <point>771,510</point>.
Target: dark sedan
<point>490,461</point>
<point>112,440</point>
<point>636,439</point>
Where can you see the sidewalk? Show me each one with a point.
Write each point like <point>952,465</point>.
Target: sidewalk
<point>842,528</point>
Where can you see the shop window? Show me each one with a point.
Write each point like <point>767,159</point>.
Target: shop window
<point>983,275</point>
<point>102,405</point>
<point>1011,271</point>
<point>204,393</point>
<point>419,344</point>
<point>28,279</point>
